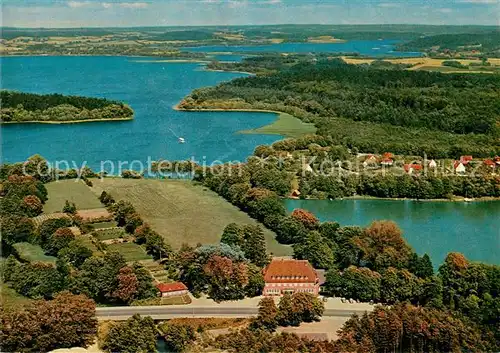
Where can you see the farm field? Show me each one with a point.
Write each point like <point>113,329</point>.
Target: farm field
<point>30,252</point>
<point>181,211</point>
<point>130,251</point>
<point>71,190</point>
<point>109,233</point>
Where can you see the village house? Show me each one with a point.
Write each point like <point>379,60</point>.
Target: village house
<point>387,162</point>
<point>459,167</point>
<point>172,289</point>
<point>432,164</point>
<point>287,276</point>
<point>490,163</point>
<point>465,159</point>
<point>497,160</point>
<point>370,160</point>
<point>412,168</point>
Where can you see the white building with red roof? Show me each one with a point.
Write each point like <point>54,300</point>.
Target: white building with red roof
<point>287,276</point>
<point>172,289</point>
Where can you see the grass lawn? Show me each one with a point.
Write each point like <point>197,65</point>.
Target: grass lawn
<point>101,225</point>
<point>86,241</point>
<point>181,211</point>
<point>10,299</point>
<point>30,252</point>
<point>286,125</point>
<point>71,190</point>
<point>106,234</point>
<point>130,251</point>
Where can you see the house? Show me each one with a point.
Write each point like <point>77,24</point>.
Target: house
<point>370,160</point>
<point>497,160</point>
<point>412,168</point>
<point>172,289</point>
<point>287,276</point>
<point>295,193</point>
<point>432,164</point>
<point>465,159</point>
<point>490,163</point>
<point>387,162</point>
<point>459,167</point>
<point>387,155</point>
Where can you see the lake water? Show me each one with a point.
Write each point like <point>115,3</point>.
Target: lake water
<point>151,89</point>
<point>363,47</point>
<point>435,228</point>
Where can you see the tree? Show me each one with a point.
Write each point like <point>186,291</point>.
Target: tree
<point>178,337</point>
<point>290,231</point>
<point>59,240</point>
<point>69,207</point>
<point>37,280</point>
<point>306,218</point>
<point>421,266</point>
<point>254,245</point>
<point>66,321</point>
<point>32,205</point>
<point>121,210</point>
<point>75,253</point>
<point>267,318</point>
<point>16,229</point>
<point>49,226</point>
<point>132,222</point>
<point>127,285</point>
<point>134,335</point>
<point>316,250</point>
<point>232,235</point>
<point>354,283</point>
<point>307,306</point>
<point>145,286</point>
<point>156,246</point>
<point>286,314</point>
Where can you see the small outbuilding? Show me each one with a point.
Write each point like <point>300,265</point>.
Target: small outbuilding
<point>172,289</point>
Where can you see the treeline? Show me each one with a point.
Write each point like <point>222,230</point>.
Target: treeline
<point>452,108</point>
<point>486,42</point>
<point>19,107</point>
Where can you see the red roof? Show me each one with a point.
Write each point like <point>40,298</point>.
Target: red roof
<point>387,160</point>
<point>489,162</point>
<point>412,166</point>
<point>465,159</point>
<point>171,287</point>
<point>290,271</point>
<point>456,164</point>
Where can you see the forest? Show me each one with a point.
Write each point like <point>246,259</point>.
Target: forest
<point>488,43</point>
<point>349,102</point>
<point>20,107</point>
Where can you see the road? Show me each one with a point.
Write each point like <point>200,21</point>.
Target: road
<point>170,312</point>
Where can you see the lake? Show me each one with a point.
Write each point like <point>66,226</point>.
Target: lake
<point>363,47</point>
<point>435,228</point>
<point>151,89</point>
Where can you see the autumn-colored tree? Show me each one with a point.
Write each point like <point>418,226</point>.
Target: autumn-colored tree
<point>383,245</point>
<point>132,221</point>
<point>127,285</point>
<point>307,306</point>
<point>137,334</point>
<point>66,321</point>
<point>49,226</point>
<point>59,240</point>
<point>267,317</point>
<point>306,218</point>
<point>408,328</point>
<point>227,278</point>
<point>32,205</point>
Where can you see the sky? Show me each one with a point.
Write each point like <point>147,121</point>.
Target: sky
<point>128,13</point>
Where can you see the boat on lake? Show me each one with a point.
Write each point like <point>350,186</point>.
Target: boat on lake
<point>181,140</point>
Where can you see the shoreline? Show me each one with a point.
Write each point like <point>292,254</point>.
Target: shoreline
<point>176,107</point>
<point>459,199</point>
<point>54,122</point>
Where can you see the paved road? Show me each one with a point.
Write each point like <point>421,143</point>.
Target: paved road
<point>169,312</point>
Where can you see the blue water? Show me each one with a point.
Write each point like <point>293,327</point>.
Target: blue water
<point>363,47</point>
<point>435,228</point>
<point>151,89</point>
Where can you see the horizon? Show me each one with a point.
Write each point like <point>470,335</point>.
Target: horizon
<point>204,13</point>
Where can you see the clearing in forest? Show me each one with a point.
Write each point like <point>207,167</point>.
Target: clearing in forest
<point>181,211</point>
<point>72,190</point>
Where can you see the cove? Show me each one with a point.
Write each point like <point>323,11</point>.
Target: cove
<point>151,89</point>
<point>363,47</point>
<point>435,228</point>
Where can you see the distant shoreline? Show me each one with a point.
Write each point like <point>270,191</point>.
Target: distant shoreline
<point>64,122</point>
<point>375,198</point>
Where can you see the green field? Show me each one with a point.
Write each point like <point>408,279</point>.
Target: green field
<point>71,190</point>
<point>106,234</point>
<point>30,252</point>
<point>102,225</point>
<point>286,125</point>
<point>181,211</point>
<point>130,251</point>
